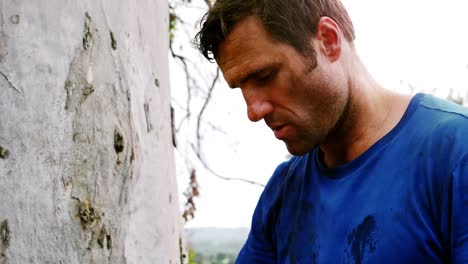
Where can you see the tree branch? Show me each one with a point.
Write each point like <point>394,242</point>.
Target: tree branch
<point>182,59</point>
<point>202,110</point>
<point>222,177</point>
<point>208,3</point>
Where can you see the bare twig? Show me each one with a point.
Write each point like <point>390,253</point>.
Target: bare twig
<point>207,167</point>
<point>216,128</point>
<point>208,3</point>
<point>182,59</point>
<point>202,110</point>
<point>193,84</point>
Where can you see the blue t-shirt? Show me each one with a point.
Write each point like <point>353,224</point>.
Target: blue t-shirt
<point>404,200</point>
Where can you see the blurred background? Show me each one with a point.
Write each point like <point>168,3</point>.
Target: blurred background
<point>223,160</point>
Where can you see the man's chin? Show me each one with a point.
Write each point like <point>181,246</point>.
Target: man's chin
<point>297,149</point>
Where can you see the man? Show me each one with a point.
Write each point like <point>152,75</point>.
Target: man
<point>377,177</point>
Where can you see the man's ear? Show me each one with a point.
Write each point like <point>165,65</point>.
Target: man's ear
<point>329,37</point>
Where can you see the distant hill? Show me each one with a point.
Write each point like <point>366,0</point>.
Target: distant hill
<point>212,241</point>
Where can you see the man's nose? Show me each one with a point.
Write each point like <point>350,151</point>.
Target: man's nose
<point>257,106</point>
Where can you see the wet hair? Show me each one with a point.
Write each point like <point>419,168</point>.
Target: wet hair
<point>292,22</point>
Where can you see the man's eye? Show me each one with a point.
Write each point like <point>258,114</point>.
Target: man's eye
<point>265,77</point>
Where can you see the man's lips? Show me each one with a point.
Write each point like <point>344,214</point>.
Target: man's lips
<point>280,131</point>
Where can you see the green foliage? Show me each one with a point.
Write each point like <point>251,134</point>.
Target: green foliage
<point>172,25</point>
<point>192,259</point>
<point>218,258</point>
<point>173,18</point>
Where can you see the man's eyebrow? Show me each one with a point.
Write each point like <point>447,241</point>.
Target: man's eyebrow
<point>253,74</point>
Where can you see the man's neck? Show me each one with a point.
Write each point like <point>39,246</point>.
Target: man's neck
<point>371,113</point>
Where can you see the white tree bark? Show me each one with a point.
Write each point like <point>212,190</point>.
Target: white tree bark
<point>86,156</point>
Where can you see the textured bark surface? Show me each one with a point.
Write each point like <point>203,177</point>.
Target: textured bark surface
<point>86,156</point>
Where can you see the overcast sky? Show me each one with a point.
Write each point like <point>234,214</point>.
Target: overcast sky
<point>422,42</point>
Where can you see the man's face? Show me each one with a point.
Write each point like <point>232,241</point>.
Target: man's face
<point>301,103</point>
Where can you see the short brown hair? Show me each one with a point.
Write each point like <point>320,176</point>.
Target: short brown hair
<point>289,21</point>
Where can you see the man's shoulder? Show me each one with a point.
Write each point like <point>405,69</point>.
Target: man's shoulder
<point>285,170</point>
<point>443,110</point>
<point>285,176</point>
<point>437,129</point>
<point>439,118</point>
<point>282,187</point>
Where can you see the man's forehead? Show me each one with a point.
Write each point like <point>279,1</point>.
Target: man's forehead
<point>248,48</point>
<point>240,68</point>
<point>245,33</point>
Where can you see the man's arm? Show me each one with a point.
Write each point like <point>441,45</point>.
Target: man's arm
<point>257,249</point>
<point>459,232</point>
<point>260,246</point>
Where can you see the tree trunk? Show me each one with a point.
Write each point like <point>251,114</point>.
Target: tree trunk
<point>86,156</point>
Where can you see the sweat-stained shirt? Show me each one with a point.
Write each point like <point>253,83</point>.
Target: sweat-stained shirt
<point>404,200</point>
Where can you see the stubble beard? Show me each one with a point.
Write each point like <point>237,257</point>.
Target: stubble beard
<point>305,141</point>
<point>312,135</point>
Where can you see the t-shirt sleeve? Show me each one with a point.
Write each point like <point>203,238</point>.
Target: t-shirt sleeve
<point>260,246</point>
<point>459,229</point>
<point>257,249</point>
